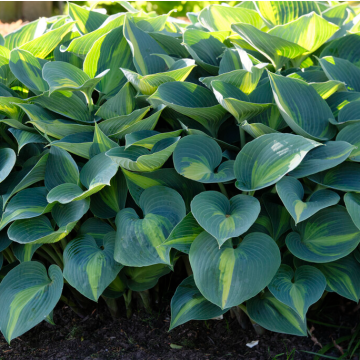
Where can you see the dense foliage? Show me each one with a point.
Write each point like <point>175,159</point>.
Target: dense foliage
<point>134,142</point>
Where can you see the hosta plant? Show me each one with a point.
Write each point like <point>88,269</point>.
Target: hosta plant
<point>134,145</point>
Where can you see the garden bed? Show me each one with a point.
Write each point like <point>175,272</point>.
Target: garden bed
<point>146,337</point>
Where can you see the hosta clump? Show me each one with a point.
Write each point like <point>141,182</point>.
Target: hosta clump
<point>229,145</point>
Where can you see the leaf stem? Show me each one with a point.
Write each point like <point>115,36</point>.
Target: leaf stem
<point>10,255</point>
<point>242,137</point>
<point>223,190</point>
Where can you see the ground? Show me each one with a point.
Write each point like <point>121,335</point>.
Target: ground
<point>145,336</point>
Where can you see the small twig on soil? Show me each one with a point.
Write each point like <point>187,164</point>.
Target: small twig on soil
<point>341,350</point>
<point>313,338</point>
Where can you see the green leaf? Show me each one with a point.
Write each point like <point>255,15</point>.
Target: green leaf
<point>298,289</point>
<point>188,304</point>
<point>342,277</point>
<point>198,157</point>
<point>148,84</point>
<point>136,158</point>
<point>64,76</point>
<point>25,137</point>
<point>244,80</point>
<point>33,172</point>
<point>327,236</point>
<point>337,14</point>
<point>299,112</point>
<point>349,113</point>
<point>89,268</point>
<point>137,239</point>
<point>183,234</point>
<point>78,143</point>
<point>138,182</point>
<point>341,70</point>
<point>24,252</point>
<point>94,175</point>
<point>123,103</point>
<point>60,168</point>
<point>82,45</point>
<point>143,46</point>
<point>101,143</point>
<point>331,154</point>
<point>118,127</point>
<point>220,17</point>
<point>237,271</point>
<point>283,12</point>
<point>256,129</point>
<point>111,199</point>
<point>279,217</point>
<point>64,103</point>
<point>26,204</point>
<point>25,33</point>
<point>86,20</point>
<point>118,55</point>
<point>344,177</point>
<point>352,203</point>
<point>291,193</point>
<point>9,108</point>
<point>7,162</point>
<point>236,102</point>
<point>275,316</point>
<point>43,45</point>
<point>205,47</point>
<point>29,293</point>
<point>309,31</point>
<point>223,218</point>
<point>276,49</point>
<point>148,138</point>
<point>350,134</point>
<point>265,160</point>
<point>191,100</point>
<point>39,230</point>
<point>95,228</point>
<point>28,69</point>
<point>346,47</point>
<point>145,277</point>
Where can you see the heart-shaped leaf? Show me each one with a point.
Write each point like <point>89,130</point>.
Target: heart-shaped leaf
<point>237,271</point>
<point>344,177</point>
<point>282,12</point>
<point>276,49</point>
<point>136,158</point>
<point>341,70</point>
<point>265,160</point>
<point>7,162</point>
<point>183,234</point>
<point>198,157</point>
<point>220,17</point>
<point>327,236</point>
<point>95,174</point>
<point>28,294</point>
<point>223,218</point>
<point>191,100</point>
<point>188,304</point>
<point>322,158</point>
<point>118,56</point>
<point>307,115</point>
<point>89,268</point>
<point>275,316</point>
<point>298,289</point>
<point>342,276</point>
<point>352,203</point>
<point>26,204</point>
<point>291,193</point>
<point>138,240</point>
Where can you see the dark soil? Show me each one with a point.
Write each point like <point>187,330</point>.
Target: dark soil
<point>146,337</point>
